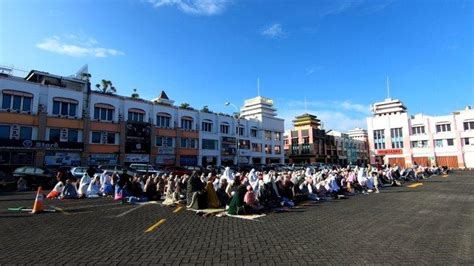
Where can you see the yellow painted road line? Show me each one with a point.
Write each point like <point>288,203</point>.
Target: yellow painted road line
<point>177,209</point>
<point>415,185</point>
<point>61,211</point>
<point>155,226</point>
<point>445,175</point>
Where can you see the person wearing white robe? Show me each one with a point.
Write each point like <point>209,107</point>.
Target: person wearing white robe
<point>83,185</point>
<point>94,188</point>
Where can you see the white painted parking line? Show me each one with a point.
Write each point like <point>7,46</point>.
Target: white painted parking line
<point>129,211</point>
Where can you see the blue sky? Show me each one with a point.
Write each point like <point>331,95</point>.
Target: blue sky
<point>335,54</point>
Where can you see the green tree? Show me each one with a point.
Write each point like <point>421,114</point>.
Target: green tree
<point>205,109</point>
<point>106,87</point>
<point>135,95</point>
<point>185,106</point>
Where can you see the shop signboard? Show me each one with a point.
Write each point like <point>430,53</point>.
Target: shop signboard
<point>103,159</point>
<point>188,160</point>
<point>137,138</point>
<point>228,146</point>
<point>62,158</point>
<point>389,151</point>
<point>137,158</point>
<point>165,150</point>
<point>41,144</point>
<point>165,160</point>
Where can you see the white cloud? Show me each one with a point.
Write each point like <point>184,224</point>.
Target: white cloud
<point>336,7</point>
<point>77,46</point>
<point>195,7</point>
<point>312,69</point>
<point>335,115</point>
<point>273,31</point>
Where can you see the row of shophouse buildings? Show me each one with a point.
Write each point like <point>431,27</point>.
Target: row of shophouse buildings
<point>52,120</point>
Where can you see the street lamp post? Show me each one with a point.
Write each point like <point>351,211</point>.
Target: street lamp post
<point>237,132</point>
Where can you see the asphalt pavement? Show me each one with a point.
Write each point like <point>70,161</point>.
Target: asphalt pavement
<point>428,223</point>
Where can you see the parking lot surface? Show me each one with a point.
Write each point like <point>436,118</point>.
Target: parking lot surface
<point>431,223</point>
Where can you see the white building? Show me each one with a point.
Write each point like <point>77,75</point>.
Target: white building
<point>398,138</point>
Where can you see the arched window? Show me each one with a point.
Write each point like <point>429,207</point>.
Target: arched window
<point>225,128</point>
<point>187,122</point>
<point>136,115</point>
<point>206,125</point>
<point>17,100</point>
<point>104,112</point>
<point>65,106</point>
<point>163,120</point>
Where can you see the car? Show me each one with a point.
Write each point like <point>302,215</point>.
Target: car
<point>35,176</point>
<point>177,170</point>
<point>114,168</point>
<point>7,181</point>
<point>141,169</point>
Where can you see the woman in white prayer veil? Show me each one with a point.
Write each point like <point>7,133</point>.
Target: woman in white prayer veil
<point>361,178</point>
<point>228,174</point>
<point>308,172</point>
<point>84,185</point>
<point>94,188</point>
<point>253,180</point>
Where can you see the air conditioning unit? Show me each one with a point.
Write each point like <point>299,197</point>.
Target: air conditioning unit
<point>63,135</point>
<point>15,132</point>
<point>103,138</point>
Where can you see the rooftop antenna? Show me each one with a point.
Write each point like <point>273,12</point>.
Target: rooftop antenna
<point>305,105</point>
<point>258,86</point>
<point>388,88</point>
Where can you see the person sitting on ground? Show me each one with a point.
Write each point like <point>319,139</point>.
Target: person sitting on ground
<point>21,184</point>
<point>170,193</point>
<point>222,194</point>
<point>106,187</point>
<point>150,188</point>
<point>84,185</point>
<point>237,204</point>
<point>135,188</point>
<point>196,194</point>
<point>57,190</point>
<point>69,190</point>
<point>212,199</point>
<point>94,188</point>
<point>250,199</point>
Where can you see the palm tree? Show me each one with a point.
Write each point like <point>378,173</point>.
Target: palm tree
<point>106,87</point>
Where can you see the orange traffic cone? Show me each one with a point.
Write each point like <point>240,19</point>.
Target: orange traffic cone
<point>38,206</point>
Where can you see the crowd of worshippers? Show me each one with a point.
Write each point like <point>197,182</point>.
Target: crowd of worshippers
<point>240,193</point>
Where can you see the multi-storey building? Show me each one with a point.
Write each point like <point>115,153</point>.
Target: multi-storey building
<point>350,150</point>
<point>398,138</point>
<point>307,142</point>
<point>54,120</point>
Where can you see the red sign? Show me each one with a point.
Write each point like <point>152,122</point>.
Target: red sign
<point>389,151</point>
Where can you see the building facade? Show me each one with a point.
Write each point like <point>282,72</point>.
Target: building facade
<point>350,151</point>
<point>52,120</point>
<point>398,138</point>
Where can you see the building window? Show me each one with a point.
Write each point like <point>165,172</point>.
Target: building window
<point>17,101</point>
<point>419,144</point>
<point>166,142</point>
<point>136,115</point>
<point>189,143</point>
<point>26,133</point>
<point>379,139</point>
<point>438,143</point>
<point>450,142</point>
<point>397,138</point>
<point>240,130</point>
<point>73,135</point>
<point>277,149</point>
<point>469,125</point>
<point>4,132</point>
<point>418,130</point>
<point>103,137</point>
<point>277,136</point>
<point>209,144</point>
<point>207,126</point>
<point>54,134</point>
<point>64,107</point>
<point>96,137</point>
<point>163,120</point>
<point>187,123</point>
<point>443,128</point>
<point>268,135</point>
<point>468,141</point>
<point>104,112</point>
<point>225,128</point>
<point>256,147</point>
<point>253,132</point>
<point>268,149</point>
